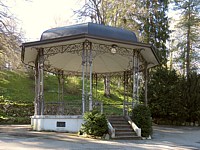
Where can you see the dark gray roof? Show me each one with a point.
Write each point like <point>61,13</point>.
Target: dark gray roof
<point>91,29</point>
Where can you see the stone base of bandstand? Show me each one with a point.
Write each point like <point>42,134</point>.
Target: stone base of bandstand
<point>58,123</point>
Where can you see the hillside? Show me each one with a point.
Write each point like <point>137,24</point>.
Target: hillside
<point>19,87</point>
<point>16,86</point>
<point>17,95</point>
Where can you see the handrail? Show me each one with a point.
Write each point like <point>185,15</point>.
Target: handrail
<point>134,126</point>
<point>98,103</point>
<point>111,130</point>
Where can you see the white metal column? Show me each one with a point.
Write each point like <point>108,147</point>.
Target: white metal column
<point>83,79</point>
<point>145,83</point>
<point>40,82</point>
<point>135,71</point>
<point>90,65</point>
<point>87,75</point>
<point>36,101</point>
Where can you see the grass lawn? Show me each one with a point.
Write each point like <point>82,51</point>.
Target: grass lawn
<point>16,86</point>
<point>17,91</point>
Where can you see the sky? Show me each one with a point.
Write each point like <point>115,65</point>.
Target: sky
<point>36,16</point>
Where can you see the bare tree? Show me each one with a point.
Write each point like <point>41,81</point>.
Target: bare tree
<point>10,38</point>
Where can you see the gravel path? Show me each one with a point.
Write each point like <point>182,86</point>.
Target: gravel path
<point>19,137</point>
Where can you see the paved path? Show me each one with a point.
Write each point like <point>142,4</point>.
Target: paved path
<point>19,137</point>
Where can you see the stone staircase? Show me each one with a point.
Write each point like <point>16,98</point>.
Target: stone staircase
<point>123,129</point>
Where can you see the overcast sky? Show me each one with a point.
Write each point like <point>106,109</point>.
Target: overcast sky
<point>36,16</point>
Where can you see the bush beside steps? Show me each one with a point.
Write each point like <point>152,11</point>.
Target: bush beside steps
<point>95,125</point>
<point>141,116</point>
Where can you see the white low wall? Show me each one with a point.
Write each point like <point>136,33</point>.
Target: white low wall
<point>57,123</point>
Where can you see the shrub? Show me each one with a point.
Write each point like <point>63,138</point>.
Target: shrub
<point>141,115</point>
<point>15,112</point>
<point>95,124</point>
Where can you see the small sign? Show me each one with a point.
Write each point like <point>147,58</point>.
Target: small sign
<point>60,124</point>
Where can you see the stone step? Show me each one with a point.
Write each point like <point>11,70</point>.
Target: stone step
<point>121,126</point>
<point>125,133</point>
<point>118,122</point>
<point>132,137</point>
<point>114,116</point>
<point>116,119</point>
<point>124,130</point>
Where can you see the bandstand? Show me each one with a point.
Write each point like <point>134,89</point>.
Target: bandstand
<point>85,50</point>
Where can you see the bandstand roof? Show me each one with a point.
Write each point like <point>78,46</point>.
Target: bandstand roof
<point>63,47</point>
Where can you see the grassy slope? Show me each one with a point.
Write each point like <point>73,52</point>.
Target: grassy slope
<point>16,86</point>
<point>19,87</point>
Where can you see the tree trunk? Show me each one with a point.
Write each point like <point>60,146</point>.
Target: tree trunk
<point>184,62</point>
<point>107,86</point>
<point>188,45</point>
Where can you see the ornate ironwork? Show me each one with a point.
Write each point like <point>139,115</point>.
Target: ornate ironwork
<point>96,49</point>
<point>70,48</point>
<point>87,45</point>
<point>103,48</point>
<point>52,69</point>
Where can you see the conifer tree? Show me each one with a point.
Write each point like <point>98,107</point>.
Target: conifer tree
<point>155,27</point>
<point>189,26</point>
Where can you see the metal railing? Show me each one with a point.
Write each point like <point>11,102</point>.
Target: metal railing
<point>63,108</point>
<point>75,108</point>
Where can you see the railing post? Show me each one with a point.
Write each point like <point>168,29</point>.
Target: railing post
<point>40,82</point>
<point>83,79</point>
<point>90,65</point>
<point>101,107</point>
<point>123,109</point>
<point>146,81</point>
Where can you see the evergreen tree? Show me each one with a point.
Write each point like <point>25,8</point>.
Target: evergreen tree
<point>188,27</point>
<point>163,91</point>
<point>155,28</point>
<point>190,96</point>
